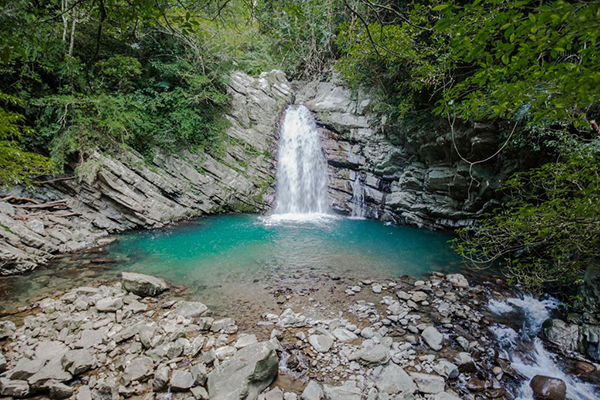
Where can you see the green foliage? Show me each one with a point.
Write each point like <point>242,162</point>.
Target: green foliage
<point>548,230</point>
<point>301,33</point>
<point>17,164</point>
<point>100,75</point>
<point>531,59</point>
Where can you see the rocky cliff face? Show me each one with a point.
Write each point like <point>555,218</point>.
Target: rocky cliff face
<point>129,192</point>
<point>412,176</point>
<point>403,174</point>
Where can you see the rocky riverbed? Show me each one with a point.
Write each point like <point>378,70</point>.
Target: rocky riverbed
<point>392,339</point>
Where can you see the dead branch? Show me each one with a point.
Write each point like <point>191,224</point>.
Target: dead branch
<point>19,198</point>
<point>59,204</point>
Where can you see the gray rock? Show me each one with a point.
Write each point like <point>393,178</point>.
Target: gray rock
<point>181,380</point>
<point>344,335</point>
<point>25,368</point>
<point>37,226</point>
<point>7,329</point>
<point>273,394</point>
<point>143,285</point>
<point>189,309</point>
<point>433,338</point>
<point>446,369</point>
<point>458,280</point>
<point>290,319</point>
<point>52,371</point>
<point>139,369</point>
<point>375,355</point>
<point>14,388</point>
<point>245,340</point>
<point>430,384</point>
<point>446,396</point>
<point>161,378</point>
<point>367,332</point>
<point>548,388</point>
<point>3,363</point>
<point>200,374</point>
<point>110,304</point>
<point>84,393</point>
<point>348,391</point>
<point>58,390</point>
<point>200,393</point>
<point>77,361</point>
<point>312,391</point>
<point>91,338</point>
<point>394,380</point>
<point>246,374</point>
<point>321,343</point>
<point>225,325</point>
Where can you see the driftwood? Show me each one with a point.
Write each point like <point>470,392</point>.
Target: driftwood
<point>59,205</point>
<point>19,198</point>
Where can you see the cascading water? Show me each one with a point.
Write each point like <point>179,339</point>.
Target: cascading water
<point>526,351</point>
<point>359,207</point>
<point>302,168</point>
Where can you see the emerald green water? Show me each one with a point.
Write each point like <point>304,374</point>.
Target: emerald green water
<point>228,259</point>
<point>242,247</point>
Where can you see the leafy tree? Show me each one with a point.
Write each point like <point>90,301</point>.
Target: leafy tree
<point>17,164</point>
<point>548,231</point>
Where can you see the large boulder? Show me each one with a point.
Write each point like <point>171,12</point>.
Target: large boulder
<point>548,388</point>
<point>245,375</point>
<point>143,285</point>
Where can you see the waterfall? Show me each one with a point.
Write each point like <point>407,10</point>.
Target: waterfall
<point>302,168</point>
<point>359,207</point>
<point>526,351</point>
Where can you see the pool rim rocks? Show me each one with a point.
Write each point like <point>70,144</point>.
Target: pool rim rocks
<point>288,332</point>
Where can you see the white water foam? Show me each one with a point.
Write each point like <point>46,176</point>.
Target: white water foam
<point>537,361</point>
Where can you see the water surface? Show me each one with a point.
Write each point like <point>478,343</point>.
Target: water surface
<point>229,258</point>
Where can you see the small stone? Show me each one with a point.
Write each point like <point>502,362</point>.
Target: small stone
<point>143,285</point>
<point>161,378</point>
<point>84,393</point>
<point>433,338</point>
<point>274,394</point>
<point>312,391</point>
<point>189,309</point>
<point>7,329</point>
<point>446,369</point>
<point>199,393</point>
<point>181,380</point>
<point>110,304</point>
<point>418,296</point>
<point>394,380</point>
<point>426,383</point>
<point>77,361</point>
<point>367,332</point>
<point>59,390</point>
<point>225,325</point>
<point>344,335</point>
<point>476,385</point>
<point>225,352</point>
<point>139,369</point>
<point>321,343</point>
<point>245,340</point>
<point>458,280</point>
<point>548,388</point>
<point>377,288</point>
<point>14,388</point>
<point>375,355</point>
